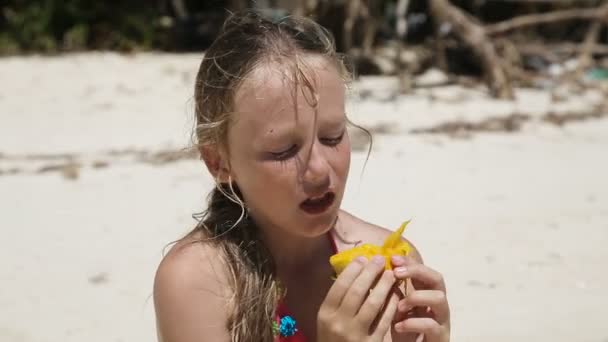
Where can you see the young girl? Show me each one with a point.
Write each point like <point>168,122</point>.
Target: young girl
<point>271,129</point>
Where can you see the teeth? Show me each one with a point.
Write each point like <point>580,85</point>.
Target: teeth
<point>316,198</point>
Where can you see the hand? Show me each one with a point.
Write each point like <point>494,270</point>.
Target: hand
<point>350,312</point>
<point>424,314</point>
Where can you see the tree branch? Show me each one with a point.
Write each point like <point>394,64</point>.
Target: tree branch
<point>475,36</point>
<point>544,18</point>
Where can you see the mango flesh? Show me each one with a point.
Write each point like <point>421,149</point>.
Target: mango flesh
<point>393,245</point>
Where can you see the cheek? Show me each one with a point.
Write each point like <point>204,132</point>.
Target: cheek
<point>342,165</point>
<point>265,179</point>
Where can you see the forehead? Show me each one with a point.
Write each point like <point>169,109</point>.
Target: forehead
<point>273,96</point>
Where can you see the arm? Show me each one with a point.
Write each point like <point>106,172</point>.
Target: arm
<point>190,296</point>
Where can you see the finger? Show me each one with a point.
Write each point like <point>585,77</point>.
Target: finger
<point>433,299</point>
<point>431,329</point>
<point>400,288</point>
<point>359,289</point>
<point>399,260</point>
<point>384,323</point>
<point>376,299</point>
<point>399,292</point>
<point>421,276</point>
<point>338,290</point>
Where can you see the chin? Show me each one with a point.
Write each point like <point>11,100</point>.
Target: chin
<point>313,226</point>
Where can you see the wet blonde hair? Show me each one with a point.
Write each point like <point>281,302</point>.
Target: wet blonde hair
<point>246,41</point>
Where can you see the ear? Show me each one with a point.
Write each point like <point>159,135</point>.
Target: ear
<point>216,162</point>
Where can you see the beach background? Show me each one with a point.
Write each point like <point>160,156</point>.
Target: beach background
<point>508,198</point>
<point>94,184</point>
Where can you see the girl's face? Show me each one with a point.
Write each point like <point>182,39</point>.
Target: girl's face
<point>289,162</point>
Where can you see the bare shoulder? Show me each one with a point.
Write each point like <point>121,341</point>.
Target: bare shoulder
<point>191,293</point>
<point>360,231</point>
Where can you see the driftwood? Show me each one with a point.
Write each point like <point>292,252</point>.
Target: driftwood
<point>544,18</point>
<point>475,37</point>
<point>500,58</point>
<point>566,49</point>
<point>501,69</point>
<point>368,11</point>
<point>585,58</point>
<point>180,9</point>
<point>403,73</point>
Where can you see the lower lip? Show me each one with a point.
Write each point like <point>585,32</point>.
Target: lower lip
<point>319,207</point>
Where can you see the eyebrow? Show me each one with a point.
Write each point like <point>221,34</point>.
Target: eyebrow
<point>275,133</point>
<point>342,121</point>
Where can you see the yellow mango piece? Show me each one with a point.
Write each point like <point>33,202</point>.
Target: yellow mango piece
<point>393,245</point>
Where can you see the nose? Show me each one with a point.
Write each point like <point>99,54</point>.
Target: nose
<point>315,177</point>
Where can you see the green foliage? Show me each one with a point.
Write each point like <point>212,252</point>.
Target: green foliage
<point>51,26</point>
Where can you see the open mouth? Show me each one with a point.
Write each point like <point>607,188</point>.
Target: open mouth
<point>318,205</point>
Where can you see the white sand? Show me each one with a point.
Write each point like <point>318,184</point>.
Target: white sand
<point>517,222</point>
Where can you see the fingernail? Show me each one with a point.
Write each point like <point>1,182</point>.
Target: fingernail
<point>400,271</point>
<point>399,327</point>
<point>397,259</point>
<point>361,259</point>
<point>379,260</point>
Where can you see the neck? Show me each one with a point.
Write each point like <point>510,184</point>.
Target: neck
<point>295,254</point>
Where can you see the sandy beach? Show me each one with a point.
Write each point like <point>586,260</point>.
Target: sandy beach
<point>508,199</point>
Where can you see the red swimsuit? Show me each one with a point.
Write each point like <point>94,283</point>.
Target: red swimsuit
<point>284,331</point>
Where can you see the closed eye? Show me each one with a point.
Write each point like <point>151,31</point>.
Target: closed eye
<point>285,154</point>
<point>333,141</point>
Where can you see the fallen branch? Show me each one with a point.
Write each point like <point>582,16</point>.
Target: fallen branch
<point>562,48</point>
<point>585,58</point>
<point>544,18</point>
<point>475,36</point>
